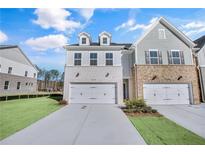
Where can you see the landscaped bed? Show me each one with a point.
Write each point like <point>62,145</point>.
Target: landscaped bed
<point>156,129</point>
<point>18,114</point>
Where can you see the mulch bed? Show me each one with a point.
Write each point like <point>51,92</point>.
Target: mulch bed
<point>137,114</point>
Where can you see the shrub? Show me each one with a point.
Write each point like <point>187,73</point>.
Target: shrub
<point>63,102</point>
<point>136,103</point>
<point>154,111</point>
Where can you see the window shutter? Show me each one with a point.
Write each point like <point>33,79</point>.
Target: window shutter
<point>147,57</point>
<point>182,57</point>
<point>160,57</point>
<point>169,57</point>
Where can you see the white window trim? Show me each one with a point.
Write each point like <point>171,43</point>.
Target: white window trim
<point>105,38</point>
<point>154,57</point>
<point>176,50</point>
<point>83,37</point>
<point>8,85</point>
<point>109,59</point>
<point>77,59</point>
<point>93,58</point>
<point>164,33</point>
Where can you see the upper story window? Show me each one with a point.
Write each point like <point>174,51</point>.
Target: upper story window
<point>93,59</point>
<point>109,58</point>
<point>18,85</point>
<point>84,40</point>
<point>77,59</point>
<point>34,75</point>
<point>105,40</point>
<point>176,57</point>
<point>9,70</point>
<point>26,73</point>
<point>0,67</point>
<point>162,34</point>
<point>153,56</point>
<point>6,85</point>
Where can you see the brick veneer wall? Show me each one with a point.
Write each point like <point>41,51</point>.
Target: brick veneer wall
<point>166,74</point>
<point>13,79</point>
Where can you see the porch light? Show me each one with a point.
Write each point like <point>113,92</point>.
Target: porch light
<point>179,78</point>
<point>154,77</point>
<point>107,75</point>
<point>77,75</point>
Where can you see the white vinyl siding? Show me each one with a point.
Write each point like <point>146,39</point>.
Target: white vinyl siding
<point>162,34</point>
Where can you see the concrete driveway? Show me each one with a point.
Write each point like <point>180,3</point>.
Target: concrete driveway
<point>191,117</point>
<point>80,124</point>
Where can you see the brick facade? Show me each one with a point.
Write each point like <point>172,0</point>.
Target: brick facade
<point>166,74</point>
<point>28,85</point>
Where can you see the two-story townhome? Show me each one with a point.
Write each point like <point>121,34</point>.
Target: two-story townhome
<point>200,55</point>
<point>158,67</point>
<point>165,70</point>
<point>93,70</point>
<point>17,74</point>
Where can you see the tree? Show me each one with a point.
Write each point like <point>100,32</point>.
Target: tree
<point>54,74</point>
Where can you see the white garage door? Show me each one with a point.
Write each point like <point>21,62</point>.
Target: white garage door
<point>166,93</point>
<point>92,93</point>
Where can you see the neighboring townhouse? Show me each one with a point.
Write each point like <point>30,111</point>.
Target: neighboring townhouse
<point>200,55</point>
<point>165,71</point>
<point>17,74</point>
<point>158,67</point>
<point>93,70</point>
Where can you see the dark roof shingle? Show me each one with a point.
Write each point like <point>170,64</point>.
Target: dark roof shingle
<point>200,42</point>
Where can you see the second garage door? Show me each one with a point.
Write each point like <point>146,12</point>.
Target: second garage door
<point>93,93</point>
<point>166,93</point>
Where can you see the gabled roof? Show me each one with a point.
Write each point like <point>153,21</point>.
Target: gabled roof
<point>167,24</point>
<point>200,42</point>
<point>2,47</point>
<point>105,33</point>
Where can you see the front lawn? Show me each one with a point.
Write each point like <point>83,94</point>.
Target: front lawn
<point>160,130</point>
<point>18,114</point>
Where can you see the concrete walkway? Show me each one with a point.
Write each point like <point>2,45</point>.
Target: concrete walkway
<point>80,124</point>
<point>191,117</point>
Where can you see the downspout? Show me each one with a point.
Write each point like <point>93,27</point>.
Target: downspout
<point>199,74</point>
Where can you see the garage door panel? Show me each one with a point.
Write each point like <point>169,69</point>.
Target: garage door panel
<point>166,93</point>
<point>92,93</point>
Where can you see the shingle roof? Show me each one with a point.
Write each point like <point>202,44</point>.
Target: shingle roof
<point>126,45</point>
<point>8,46</point>
<point>200,42</point>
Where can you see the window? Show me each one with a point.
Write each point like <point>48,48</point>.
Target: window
<point>26,73</point>
<point>34,75</point>
<point>6,85</point>
<point>18,85</point>
<point>77,59</point>
<point>162,34</point>
<point>93,59</point>
<point>104,40</point>
<point>0,67</point>
<point>26,83</point>
<point>9,70</point>
<point>175,57</point>
<point>83,40</point>
<point>154,57</point>
<point>109,58</point>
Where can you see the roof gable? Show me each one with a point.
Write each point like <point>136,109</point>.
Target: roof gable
<point>14,53</point>
<point>169,26</point>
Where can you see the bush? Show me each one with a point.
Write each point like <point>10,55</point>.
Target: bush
<point>63,102</point>
<point>154,111</point>
<point>133,104</point>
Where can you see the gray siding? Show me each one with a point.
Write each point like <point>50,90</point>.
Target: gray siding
<point>152,41</point>
<point>13,79</point>
<point>127,64</point>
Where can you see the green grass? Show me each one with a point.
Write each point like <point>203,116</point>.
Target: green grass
<point>160,130</point>
<point>18,114</point>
